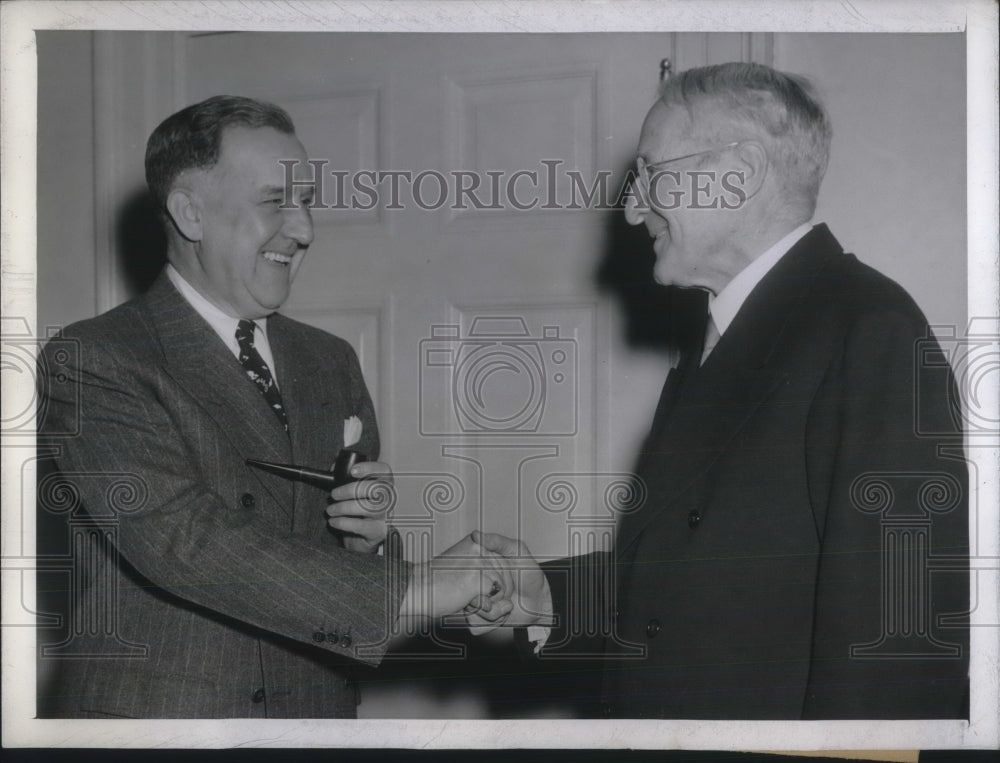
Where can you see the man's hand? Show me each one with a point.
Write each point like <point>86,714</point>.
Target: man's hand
<point>464,576</point>
<point>531,600</point>
<point>360,508</point>
<point>491,567</point>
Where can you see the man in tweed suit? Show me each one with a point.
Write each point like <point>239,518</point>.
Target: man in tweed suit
<point>242,594</point>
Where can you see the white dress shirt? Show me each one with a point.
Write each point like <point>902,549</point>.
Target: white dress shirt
<point>724,305</point>
<point>223,325</point>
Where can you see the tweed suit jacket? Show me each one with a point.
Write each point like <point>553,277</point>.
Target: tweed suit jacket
<point>241,601</point>
<point>800,484</point>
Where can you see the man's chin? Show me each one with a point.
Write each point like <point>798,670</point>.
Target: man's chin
<point>664,276</point>
<point>670,270</point>
<point>264,305</point>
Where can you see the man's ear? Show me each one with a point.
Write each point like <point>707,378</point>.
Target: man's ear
<point>753,167</point>
<point>184,209</point>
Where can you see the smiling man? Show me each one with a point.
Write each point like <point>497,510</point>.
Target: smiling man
<point>801,550</point>
<point>239,238</point>
<point>226,591</point>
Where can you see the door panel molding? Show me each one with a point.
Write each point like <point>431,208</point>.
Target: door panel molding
<point>693,49</point>
<point>139,79</point>
<point>560,107</point>
<point>344,128</point>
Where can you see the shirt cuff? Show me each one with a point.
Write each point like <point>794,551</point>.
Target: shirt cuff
<point>537,636</point>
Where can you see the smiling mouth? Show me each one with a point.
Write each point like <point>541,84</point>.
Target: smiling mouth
<point>278,258</point>
<point>664,229</point>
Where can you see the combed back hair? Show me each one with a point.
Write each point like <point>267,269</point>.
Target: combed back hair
<point>741,101</point>
<point>190,139</point>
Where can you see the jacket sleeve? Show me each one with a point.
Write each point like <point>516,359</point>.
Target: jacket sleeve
<point>889,490</point>
<point>128,462</point>
<point>581,605</point>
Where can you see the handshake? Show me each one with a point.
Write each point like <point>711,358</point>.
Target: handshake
<point>493,580</point>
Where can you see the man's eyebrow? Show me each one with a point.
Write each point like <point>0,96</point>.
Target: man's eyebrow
<point>277,190</point>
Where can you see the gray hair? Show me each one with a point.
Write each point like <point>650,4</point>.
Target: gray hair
<point>781,110</point>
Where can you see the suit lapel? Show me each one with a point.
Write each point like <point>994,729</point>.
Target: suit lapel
<point>691,348</point>
<point>198,360</point>
<point>711,404</point>
<point>301,378</point>
<point>307,389</point>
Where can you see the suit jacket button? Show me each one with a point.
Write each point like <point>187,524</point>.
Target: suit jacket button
<point>346,641</point>
<point>607,710</point>
<point>694,519</point>
<point>319,637</point>
<point>247,500</point>
<point>333,637</point>
<point>652,627</point>
<point>258,696</point>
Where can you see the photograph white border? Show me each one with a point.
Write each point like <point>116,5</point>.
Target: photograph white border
<point>977,19</point>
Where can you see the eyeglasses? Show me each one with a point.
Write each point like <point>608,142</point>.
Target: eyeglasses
<point>641,165</point>
<point>643,169</point>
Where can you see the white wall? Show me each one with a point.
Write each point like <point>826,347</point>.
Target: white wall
<point>895,191</point>
<point>66,261</point>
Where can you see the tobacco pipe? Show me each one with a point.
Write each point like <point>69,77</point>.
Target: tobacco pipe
<point>327,480</point>
<point>339,475</point>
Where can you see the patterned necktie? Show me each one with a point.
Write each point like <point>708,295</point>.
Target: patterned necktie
<point>258,371</point>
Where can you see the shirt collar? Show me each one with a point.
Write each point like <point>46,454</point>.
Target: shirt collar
<point>728,302</point>
<point>224,325</point>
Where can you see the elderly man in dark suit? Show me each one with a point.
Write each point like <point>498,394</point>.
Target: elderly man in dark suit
<point>243,594</point>
<point>780,564</point>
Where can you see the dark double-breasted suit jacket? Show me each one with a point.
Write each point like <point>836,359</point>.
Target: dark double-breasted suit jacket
<point>241,600</point>
<point>798,491</point>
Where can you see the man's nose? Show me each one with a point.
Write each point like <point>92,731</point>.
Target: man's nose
<point>299,225</point>
<point>636,207</point>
